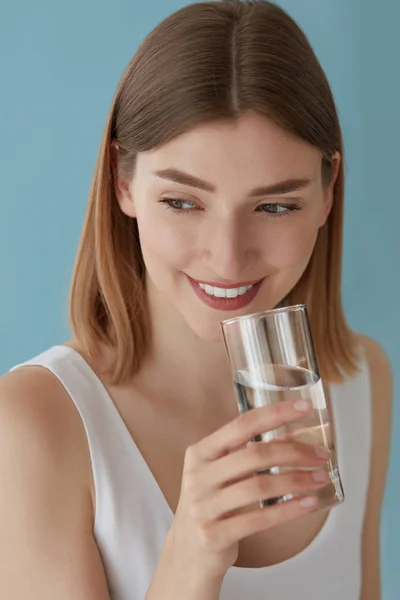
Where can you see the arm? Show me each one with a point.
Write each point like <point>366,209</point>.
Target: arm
<point>47,549</point>
<point>381,388</point>
<point>169,583</point>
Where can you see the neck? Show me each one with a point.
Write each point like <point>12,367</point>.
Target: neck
<point>181,363</point>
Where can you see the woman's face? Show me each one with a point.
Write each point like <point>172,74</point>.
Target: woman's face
<point>228,215</point>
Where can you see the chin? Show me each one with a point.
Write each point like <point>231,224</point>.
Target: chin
<point>208,330</point>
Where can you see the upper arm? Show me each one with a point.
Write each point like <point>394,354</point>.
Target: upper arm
<point>47,548</point>
<point>381,389</point>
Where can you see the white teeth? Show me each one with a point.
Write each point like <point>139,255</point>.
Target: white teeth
<point>219,292</point>
<point>232,293</point>
<point>224,292</point>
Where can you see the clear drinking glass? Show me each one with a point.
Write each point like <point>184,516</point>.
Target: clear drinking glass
<point>273,359</point>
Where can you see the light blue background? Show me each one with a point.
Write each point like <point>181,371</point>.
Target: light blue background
<point>60,64</point>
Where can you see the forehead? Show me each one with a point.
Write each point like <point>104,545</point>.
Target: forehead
<point>251,146</point>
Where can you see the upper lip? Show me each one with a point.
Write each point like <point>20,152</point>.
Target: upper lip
<point>226,285</point>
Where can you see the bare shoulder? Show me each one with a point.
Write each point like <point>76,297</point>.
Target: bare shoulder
<point>47,548</point>
<point>38,419</point>
<point>32,399</point>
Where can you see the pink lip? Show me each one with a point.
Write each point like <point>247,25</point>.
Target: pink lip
<point>226,304</point>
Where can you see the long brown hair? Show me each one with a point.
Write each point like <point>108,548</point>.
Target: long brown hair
<point>206,62</point>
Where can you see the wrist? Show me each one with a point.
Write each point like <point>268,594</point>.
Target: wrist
<point>201,584</point>
<point>176,582</point>
<point>191,575</point>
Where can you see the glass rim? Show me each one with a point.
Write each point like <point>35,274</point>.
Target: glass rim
<point>263,313</point>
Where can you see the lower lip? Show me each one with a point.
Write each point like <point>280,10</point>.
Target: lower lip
<point>226,303</point>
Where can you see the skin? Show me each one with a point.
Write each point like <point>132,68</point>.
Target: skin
<point>225,238</point>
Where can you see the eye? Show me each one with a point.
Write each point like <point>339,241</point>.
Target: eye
<point>275,209</point>
<point>178,205</point>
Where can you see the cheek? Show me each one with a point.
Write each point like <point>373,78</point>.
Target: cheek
<point>164,242</point>
<point>291,245</point>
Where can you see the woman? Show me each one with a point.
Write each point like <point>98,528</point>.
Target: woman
<point>124,467</point>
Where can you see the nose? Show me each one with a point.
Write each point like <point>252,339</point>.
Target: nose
<point>229,250</point>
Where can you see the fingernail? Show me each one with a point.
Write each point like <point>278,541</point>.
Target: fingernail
<point>320,476</point>
<point>323,453</point>
<point>302,405</point>
<point>308,502</point>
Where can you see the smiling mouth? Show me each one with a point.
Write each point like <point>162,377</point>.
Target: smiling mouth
<point>226,297</point>
<point>228,292</point>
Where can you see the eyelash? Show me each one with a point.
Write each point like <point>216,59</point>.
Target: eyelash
<point>289,207</point>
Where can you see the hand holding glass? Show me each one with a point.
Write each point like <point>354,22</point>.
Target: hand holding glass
<point>273,359</point>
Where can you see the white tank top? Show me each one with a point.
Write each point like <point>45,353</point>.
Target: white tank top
<point>132,516</point>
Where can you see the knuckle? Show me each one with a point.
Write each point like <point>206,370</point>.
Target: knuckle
<point>300,479</point>
<point>277,514</point>
<point>245,420</point>
<point>190,452</point>
<point>276,451</point>
<point>257,451</point>
<point>261,484</point>
<point>190,457</point>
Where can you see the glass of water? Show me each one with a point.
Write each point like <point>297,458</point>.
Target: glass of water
<point>273,359</point>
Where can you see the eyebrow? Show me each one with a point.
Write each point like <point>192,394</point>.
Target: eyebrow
<point>281,187</point>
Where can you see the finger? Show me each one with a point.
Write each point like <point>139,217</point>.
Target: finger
<point>252,490</point>
<point>259,457</point>
<point>230,530</point>
<point>249,424</point>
